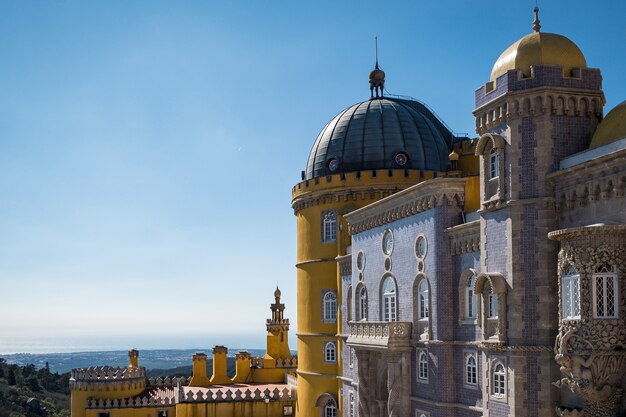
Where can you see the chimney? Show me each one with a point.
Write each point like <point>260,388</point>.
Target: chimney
<point>199,378</point>
<point>219,366</point>
<point>242,366</point>
<point>133,359</point>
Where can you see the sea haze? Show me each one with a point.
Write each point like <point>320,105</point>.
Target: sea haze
<point>150,358</point>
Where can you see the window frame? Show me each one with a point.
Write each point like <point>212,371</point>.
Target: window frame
<point>493,306</point>
<point>422,366</point>
<point>494,163</point>
<point>607,274</point>
<point>330,352</point>
<point>470,376</point>
<point>329,307</point>
<point>498,380</point>
<point>362,304</point>
<point>330,408</point>
<point>423,300</point>
<point>570,276</point>
<point>389,304</point>
<point>470,295</point>
<point>329,226</point>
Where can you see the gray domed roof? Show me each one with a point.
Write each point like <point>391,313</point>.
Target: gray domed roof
<point>385,133</point>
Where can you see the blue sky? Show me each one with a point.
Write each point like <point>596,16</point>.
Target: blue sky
<point>148,149</point>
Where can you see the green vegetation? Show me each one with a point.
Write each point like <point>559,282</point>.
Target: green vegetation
<point>20,384</point>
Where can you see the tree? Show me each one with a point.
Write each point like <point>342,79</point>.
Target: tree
<point>11,376</point>
<point>33,383</point>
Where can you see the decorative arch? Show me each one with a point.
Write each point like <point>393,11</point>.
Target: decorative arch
<point>361,302</point>
<point>324,400</point>
<point>492,289</point>
<point>388,298</point>
<point>491,149</point>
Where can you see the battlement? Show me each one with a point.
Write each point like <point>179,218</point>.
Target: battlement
<point>588,79</point>
<point>167,381</point>
<point>162,397</point>
<point>273,392</point>
<point>363,178</point>
<point>107,373</point>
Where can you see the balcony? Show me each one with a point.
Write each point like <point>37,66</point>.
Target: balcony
<point>379,335</point>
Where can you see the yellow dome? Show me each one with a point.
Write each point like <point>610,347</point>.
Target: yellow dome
<point>539,48</point>
<point>612,128</point>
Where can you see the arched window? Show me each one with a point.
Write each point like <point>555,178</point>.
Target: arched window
<point>330,352</point>
<point>471,370</point>
<point>329,227</point>
<point>570,292</point>
<point>493,306</point>
<point>471,303</point>
<point>349,303</point>
<point>422,365</point>
<point>389,300</point>
<point>499,380</point>
<point>362,308</point>
<point>494,163</point>
<point>422,300</point>
<point>330,409</point>
<point>330,306</point>
<point>605,292</point>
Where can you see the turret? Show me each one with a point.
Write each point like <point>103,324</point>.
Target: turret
<point>277,334</point>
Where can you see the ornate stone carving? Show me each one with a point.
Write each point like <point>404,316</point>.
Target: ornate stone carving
<point>590,351</point>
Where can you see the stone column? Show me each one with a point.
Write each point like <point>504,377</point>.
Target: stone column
<point>398,379</point>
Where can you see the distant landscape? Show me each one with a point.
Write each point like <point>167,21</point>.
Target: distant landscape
<point>152,359</point>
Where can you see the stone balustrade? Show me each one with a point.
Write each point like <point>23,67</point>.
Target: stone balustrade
<point>379,335</point>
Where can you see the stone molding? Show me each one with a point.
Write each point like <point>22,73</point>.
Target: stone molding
<point>416,199</point>
<point>599,179</point>
<point>464,238</point>
<point>345,265</point>
<point>379,335</point>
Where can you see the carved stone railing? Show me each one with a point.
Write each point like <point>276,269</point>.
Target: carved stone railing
<point>379,335</point>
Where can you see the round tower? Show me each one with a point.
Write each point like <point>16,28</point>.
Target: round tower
<point>106,382</point>
<point>368,151</point>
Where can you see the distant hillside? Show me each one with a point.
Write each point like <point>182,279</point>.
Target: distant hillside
<point>188,370</point>
<point>151,359</point>
<point>26,391</point>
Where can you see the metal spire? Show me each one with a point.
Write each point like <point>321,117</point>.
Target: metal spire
<point>376,38</point>
<point>536,23</point>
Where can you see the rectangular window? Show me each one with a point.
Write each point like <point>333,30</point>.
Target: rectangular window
<point>571,297</point>
<point>605,295</point>
<point>493,305</point>
<point>162,413</point>
<point>329,226</point>
<point>351,357</point>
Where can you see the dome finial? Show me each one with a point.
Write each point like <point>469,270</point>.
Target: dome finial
<point>536,23</point>
<point>377,77</point>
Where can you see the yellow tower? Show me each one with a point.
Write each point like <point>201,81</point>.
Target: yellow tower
<point>106,382</point>
<point>368,151</point>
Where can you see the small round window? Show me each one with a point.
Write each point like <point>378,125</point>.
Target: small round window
<point>421,247</point>
<point>387,242</point>
<point>333,164</point>
<point>360,261</point>
<point>401,158</point>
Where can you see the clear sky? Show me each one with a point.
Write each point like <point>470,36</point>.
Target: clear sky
<point>148,149</point>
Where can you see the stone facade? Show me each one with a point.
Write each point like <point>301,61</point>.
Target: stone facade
<point>495,340</point>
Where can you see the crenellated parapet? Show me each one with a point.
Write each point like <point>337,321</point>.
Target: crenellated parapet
<point>248,393</point>
<point>162,398</point>
<point>291,362</point>
<point>464,238</point>
<point>167,381</point>
<point>108,378</point>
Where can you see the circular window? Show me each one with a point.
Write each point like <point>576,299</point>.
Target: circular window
<point>421,247</point>
<point>401,158</point>
<point>420,266</point>
<point>360,261</point>
<point>333,164</point>
<point>387,242</point>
